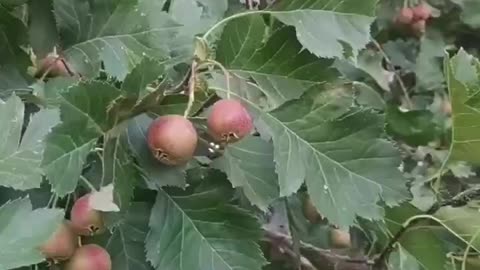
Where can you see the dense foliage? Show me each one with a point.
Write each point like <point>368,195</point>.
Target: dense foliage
<point>227,134</point>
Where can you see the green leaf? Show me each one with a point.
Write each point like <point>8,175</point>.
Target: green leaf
<point>402,53</point>
<point>119,33</point>
<point>420,241</point>
<point>249,165</point>
<point>20,162</point>
<point>370,61</point>
<point>336,150</point>
<point>414,127</point>
<point>470,12</point>
<point>22,231</point>
<point>463,81</point>
<point>280,65</point>
<point>12,2</point>
<point>176,104</point>
<point>42,28</point>
<point>156,173</point>
<point>119,169</point>
<point>136,82</point>
<point>51,90</point>
<point>198,15</point>
<point>428,70</point>
<point>200,230</point>
<point>137,94</point>
<point>463,221</point>
<point>402,260</point>
<point>368,65</point>
<point>38,196</point>
<point>126,244</point>
<point>90,102</point>
<point>14,60</point>
<point>367,96</point>
<point>329,28</point>
<point>84,118</point>
<point>65,155</point>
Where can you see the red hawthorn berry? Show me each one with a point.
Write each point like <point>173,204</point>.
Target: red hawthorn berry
<point>229,121</point>
<point>405,16</point>
<point>422,12</point>
<point>90,257</point>
<point>84,219</point>
<point>172,139</point>
<point>62,244</point>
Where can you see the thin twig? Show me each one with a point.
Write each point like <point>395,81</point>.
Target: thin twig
<point>397,77</point>
<point>381,259</point>
<point>324,252</point>
<point>89,185</point>
<point>467,250</point>
<point>224,70</point>
<point>279,241</point>
<point>50,201</point>
<point>458,200</point>
<point>233,17</point>
<point>54,203</point>
<point>304,262</point>
<point>191,89</point>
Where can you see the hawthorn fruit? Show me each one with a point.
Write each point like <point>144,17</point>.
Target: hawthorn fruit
<point>421,12</point>
<point>84,219</point>
<point>172,139</point>
<point>229,121</point>
<point>419,27</point>
<point>310,211</point>
<point>340,238</point>
<point>90,257</point>
<point>53,65</point>
<point>447,107</point>
<point>405,16</point>
<point>62,244</point>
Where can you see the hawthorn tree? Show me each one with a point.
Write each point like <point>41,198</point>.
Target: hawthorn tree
<point>226,134</point>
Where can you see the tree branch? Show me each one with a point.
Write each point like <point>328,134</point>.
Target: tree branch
<point>323,254</point>
<point>458,200</point>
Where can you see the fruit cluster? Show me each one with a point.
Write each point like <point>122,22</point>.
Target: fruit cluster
<point>415,17</point>
<point>63,246</point>
<point>172,139</point>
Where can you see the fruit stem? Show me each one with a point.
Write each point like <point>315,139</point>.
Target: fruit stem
<point>238,15</point>
<point>50,199</point>
<point>67,202</point>
<point>191,89</point>
<point>90,186</point>
<point>55,200</point>
<point>225,73</point>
